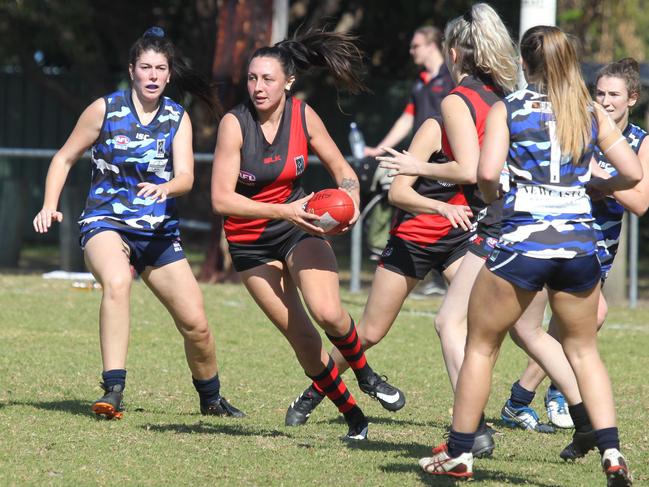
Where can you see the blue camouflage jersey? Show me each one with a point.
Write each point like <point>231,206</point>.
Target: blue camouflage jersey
<point>546,213</point>
<point>608,212</point>
<point>127,153</point>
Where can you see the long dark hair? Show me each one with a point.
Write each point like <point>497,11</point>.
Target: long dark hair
<point>186,79</point>
<point>335,51</point>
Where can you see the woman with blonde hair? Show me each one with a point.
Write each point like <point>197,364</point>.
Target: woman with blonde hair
<point>482,59</point>
<point>547,134</point>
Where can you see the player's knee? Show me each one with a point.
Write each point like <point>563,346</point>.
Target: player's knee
<point>602,312</point>
<point>194,326</point>
<point>117,287</point>
<point>328,317</point>
<point>441,324</point>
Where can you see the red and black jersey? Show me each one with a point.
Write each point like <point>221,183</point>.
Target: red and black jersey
<point>427,95</point>
<point>427,229</point>
<point>479,95</point>
<point>270,172</point>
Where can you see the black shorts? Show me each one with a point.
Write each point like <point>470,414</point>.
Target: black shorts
<point>248,255</point>
<point>569,275</point>
<point>414,260</point>
<point>144,251</point>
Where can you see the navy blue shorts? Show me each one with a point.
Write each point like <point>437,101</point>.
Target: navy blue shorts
<point>248,255</point>
<point>569,275</point>
<point>413,260</point>
<point>145,251</point>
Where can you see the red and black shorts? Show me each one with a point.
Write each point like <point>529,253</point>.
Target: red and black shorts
<point>414,260</point>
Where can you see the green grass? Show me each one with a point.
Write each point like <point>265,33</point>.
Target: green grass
<point>49,374</point>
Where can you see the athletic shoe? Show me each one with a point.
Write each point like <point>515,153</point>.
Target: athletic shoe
<point>615,468</point>
<point>358,426</point>
<point>524,417</point>
<point>460,467</point>
<point>299,411</point>
<point>426,289</point>
<point>221,407</point>
<point>581,444</point>
<point>557,408</point>
<point>110,404</point>
<point>483,444</point>
<point>377,387</point>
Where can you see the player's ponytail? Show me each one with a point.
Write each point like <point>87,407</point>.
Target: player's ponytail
<point>185,78</point>
<point>551,64</point>
<point>483,47</point>
<point>334,51</point>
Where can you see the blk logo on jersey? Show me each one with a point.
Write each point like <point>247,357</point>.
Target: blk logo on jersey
<point>273,159</point>
<point>299,165</point>
<point>160,148</point>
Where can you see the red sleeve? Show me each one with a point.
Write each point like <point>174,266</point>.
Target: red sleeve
<point>410,109</point>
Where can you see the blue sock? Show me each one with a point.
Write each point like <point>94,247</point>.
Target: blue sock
<point>607,438</point>
<point>114,377</point>
<point>208,389</point>
<point>580,418</point>
<point>459,443</point>
<point>553,387</point>
<point>520,397</point>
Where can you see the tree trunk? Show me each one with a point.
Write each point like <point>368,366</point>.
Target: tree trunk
<point>243,26</point>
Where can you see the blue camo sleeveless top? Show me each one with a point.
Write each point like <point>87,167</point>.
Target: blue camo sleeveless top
<point>127,153</point>
<point>546,213</point>
<point>608,212</point>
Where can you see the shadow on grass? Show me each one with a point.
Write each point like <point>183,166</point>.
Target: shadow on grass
<point>480,475</point>
<point>388,421</point>
<point>210,429</point>
<point>75,407</point>
<point>407,450</point>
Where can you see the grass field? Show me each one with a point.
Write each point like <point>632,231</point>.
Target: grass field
<point>50,369</point>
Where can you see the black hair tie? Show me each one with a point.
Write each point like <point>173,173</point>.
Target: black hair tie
<point>154,31</point>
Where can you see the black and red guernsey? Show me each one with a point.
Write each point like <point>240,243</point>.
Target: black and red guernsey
<point>269,172</point>
<point>479,95</point>
<point>427,229</point>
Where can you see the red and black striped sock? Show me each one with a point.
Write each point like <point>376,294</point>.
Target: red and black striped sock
<point>332,385</point>
<point>350,347</point>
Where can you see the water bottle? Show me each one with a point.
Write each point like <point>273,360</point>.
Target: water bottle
<point>356,141</point>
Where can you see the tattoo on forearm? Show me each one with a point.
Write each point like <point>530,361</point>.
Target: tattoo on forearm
<point>349,184</point>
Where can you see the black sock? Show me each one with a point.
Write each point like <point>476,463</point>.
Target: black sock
<point>209,390</point>
<point>607,438</point>
<point>580,418</point>
<point>459,443</point>
<point>114,377</point>
<point>520,397</point>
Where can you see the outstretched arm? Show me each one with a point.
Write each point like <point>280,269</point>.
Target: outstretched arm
<point>427,140</point>
<point>463,140</point>
<point>82,137</point>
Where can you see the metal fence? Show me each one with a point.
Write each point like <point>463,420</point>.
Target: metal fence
<point>69,248</point>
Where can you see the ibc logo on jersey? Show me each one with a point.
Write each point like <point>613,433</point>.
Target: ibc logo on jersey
<point>121,142</point>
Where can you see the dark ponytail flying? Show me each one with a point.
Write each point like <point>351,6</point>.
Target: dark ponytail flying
<point>334,51</point>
